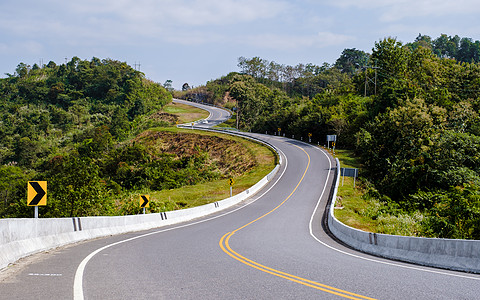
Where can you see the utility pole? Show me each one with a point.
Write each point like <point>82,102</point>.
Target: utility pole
<point>368,79</point>
<point>135,66</point>
<point>365,93</point>
<point>238,114</point>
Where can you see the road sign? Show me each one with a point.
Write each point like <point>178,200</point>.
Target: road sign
<point>36,193</point>
<point>279,129</point>
<point>144,201</point>
<point>331,138</point>
<point>309,134</point>
<point>349,172</point>
<point>231,181</point>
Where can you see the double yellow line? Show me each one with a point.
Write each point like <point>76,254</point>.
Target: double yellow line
<point>225,246</point>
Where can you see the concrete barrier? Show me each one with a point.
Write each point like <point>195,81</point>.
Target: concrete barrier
<point>23,237</point>
<point>460,255</point>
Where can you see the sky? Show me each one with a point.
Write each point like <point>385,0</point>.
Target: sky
<point>195,41</point>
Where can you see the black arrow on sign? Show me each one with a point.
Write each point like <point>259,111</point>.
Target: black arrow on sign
<point>145,201</point>
<point>40,193</point>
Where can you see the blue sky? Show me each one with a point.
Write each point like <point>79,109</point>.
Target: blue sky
<point>195,41</point>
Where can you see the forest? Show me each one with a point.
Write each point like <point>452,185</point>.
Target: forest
<point>410,111</point>
<point>82,127</point>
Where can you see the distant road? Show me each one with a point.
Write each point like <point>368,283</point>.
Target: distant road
<point>270,247</point>
<point>216,117</point>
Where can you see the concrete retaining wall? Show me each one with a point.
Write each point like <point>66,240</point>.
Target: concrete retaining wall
<point>23,237</point>
<point>460,255</point>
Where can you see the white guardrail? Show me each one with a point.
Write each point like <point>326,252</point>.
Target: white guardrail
<point>23,237</point>
<point>460,255</point>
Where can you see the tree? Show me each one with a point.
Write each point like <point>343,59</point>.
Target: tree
<point>78,189</point>
<point>185,87</point>
<point>468,51</point>
<point>13,191</point>
<point>351,60</point>
<point>392,60</point>
<point>445,46</point>
<point>168,85</point>
<point>51,65</point>
<point>22,70</point>
<point>397,144</point>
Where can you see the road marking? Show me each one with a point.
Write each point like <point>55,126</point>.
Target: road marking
<point>44,274</point>
<point>371,259</point>
<point>225,246</point>
<point>78,280</point>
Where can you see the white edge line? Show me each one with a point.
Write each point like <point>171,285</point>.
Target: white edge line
<point>371,259</point>
<point>78,280</point>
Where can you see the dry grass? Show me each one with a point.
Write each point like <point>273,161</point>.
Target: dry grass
<point>185,113</point>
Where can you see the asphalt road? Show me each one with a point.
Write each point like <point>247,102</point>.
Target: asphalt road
<point>216,116</point>
<point>270,247</point>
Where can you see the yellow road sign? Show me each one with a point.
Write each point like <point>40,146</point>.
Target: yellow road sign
<point>144,201</point>
<point>36,193</point>
<point>231,181</point>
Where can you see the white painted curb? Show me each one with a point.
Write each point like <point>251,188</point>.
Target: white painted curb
<point>460,255</point>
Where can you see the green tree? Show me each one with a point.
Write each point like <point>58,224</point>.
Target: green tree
<point>168,85</point>
<point>454,213</point>
<point>395,146</point>
<point>76,188</point>
<point>351,60</point>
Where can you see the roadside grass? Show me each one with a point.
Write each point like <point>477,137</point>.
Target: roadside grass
<point>185,112</point>
<point>356,208</point>
<point>349,199</point>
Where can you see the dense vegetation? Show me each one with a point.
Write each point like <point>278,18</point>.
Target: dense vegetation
<point>81,127</point>
<point>410,111</point>
<point>57,122</point>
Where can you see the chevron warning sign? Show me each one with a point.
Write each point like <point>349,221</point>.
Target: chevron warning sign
<point>36,193</point>
<point>144,201</point>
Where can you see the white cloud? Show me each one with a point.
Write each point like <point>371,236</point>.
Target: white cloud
<point>182,12</point>
<point>395,10</point>
<point>293,42</point>
<point>187,22</point>
<point>31,47</point>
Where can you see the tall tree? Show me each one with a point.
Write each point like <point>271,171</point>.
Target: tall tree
<point>351,60</point>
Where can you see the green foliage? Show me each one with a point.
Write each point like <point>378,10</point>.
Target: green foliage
<point>351,61</point>
<point>59,122</point>
<point>417,131</point>
<point>454,213</point>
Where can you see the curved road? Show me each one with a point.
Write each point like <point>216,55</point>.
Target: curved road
<point>270,247</point>
<point>216,116</point>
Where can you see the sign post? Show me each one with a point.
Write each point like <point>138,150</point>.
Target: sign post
<point>349,172</point>
<point>144,202</point>
<point>36,195</point>
<point>231,182</point>
<point>331,138</point>
<point>309,137</point>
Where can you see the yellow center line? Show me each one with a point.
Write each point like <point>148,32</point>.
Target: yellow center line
<point>225,246</point>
